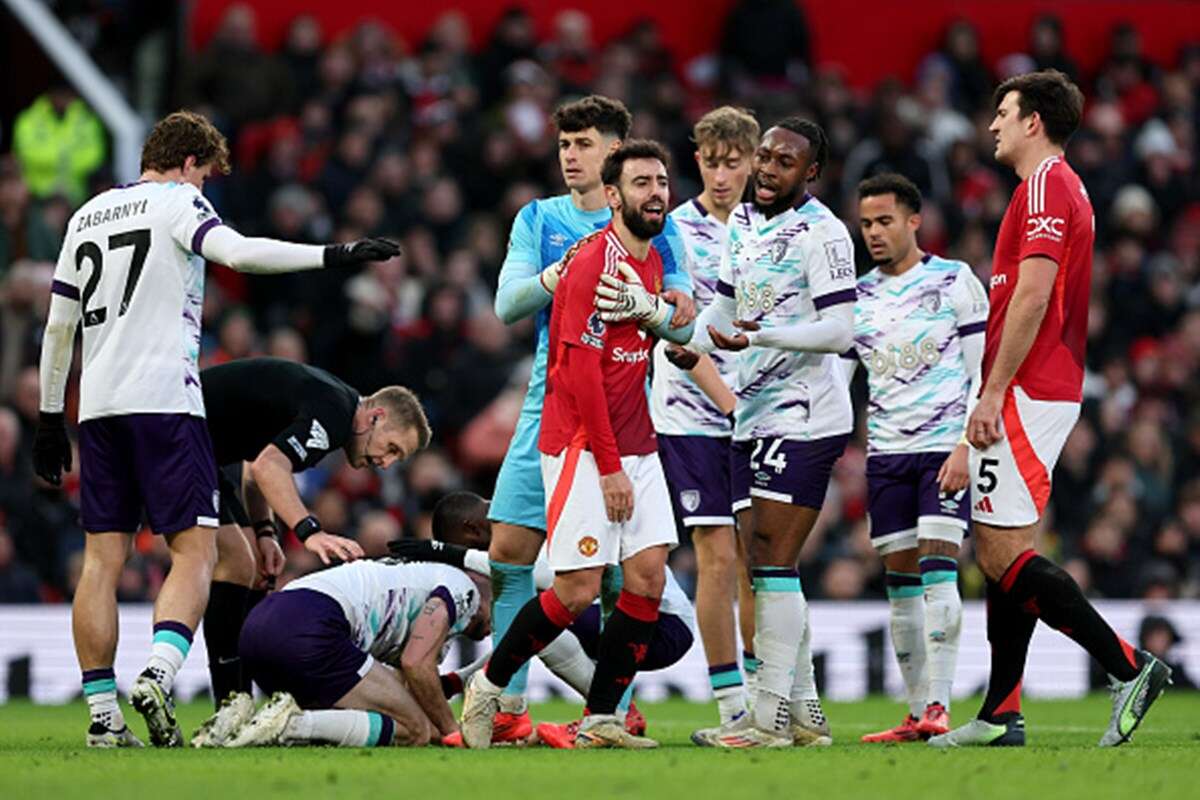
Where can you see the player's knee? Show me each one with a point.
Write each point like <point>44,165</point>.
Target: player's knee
<point>716,554</point>
<point>645,582</point>
<point>513,545</point>
<point>577,590</point>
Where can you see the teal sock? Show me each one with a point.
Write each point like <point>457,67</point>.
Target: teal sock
<point>512,588</point>
<point>626,699</point>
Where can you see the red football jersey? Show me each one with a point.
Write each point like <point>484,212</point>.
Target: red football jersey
<point>577,336</point>
<point>1049,215</point>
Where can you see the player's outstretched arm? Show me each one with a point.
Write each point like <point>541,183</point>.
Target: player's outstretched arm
<point>51,447</point>
<point>833,332</point>
<point>419,663</point>
<point>261,256</point>
<point>272,472</point>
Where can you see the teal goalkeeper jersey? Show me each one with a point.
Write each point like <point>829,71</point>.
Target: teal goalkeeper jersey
<point>541,234</point>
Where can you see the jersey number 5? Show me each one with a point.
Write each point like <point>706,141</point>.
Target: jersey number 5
<point>987,475</point>
<point>139,240</point>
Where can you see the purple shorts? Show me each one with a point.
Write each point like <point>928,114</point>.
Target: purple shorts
<point>788,470</point>
<point>162,463</point>
<point>672,639</point>
<point>299,642</point>
<point>902,489</point>
<point>698,470</point>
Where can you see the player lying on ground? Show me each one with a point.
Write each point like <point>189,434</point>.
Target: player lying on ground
<point>786,298</point>
<point>693,413</point>
<point>279,418</point>
<point>608,501</point>
<point>543,231</point>
<point>918,328</point>
<point>1033,367</point>
<point>350,655</point>
<point>460,538</point>
<point>131,271</point>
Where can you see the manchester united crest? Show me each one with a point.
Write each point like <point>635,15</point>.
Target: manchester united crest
<point>588,546</point>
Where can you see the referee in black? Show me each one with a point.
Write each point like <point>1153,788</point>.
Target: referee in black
<point>269,418</point>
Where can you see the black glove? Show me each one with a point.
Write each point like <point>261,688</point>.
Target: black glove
<point>51,448</point>
<point>353,253</point>
<point>428,550</point>
<point>683,358</point>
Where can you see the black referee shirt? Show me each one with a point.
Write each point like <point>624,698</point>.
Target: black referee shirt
<point>254,402</point>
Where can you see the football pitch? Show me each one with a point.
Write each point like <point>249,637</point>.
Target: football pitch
<point>42,757</point>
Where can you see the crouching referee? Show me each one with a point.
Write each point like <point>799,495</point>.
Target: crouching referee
<point>276,418</point>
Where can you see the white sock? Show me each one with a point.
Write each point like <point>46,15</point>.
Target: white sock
<point>165,660</point>
<point>566,659</point>
<point>943,624</point>
<point>779,625</point>
<point>104,709</point>
<point>907,601</point>
<point>341,727</point>
<point>731,702</point>
<point>804,685</point>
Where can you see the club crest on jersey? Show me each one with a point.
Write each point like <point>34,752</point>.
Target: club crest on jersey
<point>690,500</point>
<point>204,212</point>
<point>931,301</point>
<point>779,249</point>
<point>462,605</point>
<point>588,546</point>
<point>318,439</point>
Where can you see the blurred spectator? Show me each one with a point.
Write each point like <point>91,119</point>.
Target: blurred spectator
<point>18,584</point>
<point>24,233</point>
<point>1047,47</point>
<point>764,45</point>
<point>59,143</point>
<point>1159,637</point>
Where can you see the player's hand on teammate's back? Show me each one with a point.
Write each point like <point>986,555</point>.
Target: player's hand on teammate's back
<point>685,307</point>
<point>51,448</point>
<point>983,428</point>
<point>624,297</point>
<point>681,357</point>
<point>428,550</point>
<point>738,341</point>
<point>618,496</point>
<point>361,251</point>
<point>330,546</point>
<point>955,474</point>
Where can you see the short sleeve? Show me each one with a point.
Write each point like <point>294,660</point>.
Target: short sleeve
<point>461,597</point>
<point>1047,216</point>
<point>831,274</point>
<point>190,217</point>
<point>677,273</point>
<point>318,429</point>
<point>581,323</point>
<point>970,302</point>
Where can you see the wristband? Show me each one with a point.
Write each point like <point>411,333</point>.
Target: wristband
<point>307,527</point>
<point>264,528</point>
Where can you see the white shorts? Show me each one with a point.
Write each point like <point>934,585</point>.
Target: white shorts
<point>1010,481</point>
<point>578,533</point>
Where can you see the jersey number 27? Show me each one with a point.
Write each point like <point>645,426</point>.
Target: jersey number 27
<point>139,240</point>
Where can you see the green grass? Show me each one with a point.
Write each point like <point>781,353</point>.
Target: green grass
<point>42,757</point>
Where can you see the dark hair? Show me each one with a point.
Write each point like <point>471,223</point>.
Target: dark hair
<point>906,191</point>
<point>814,133</point>
<point>454,511</point>
<point>183,134</point>
<point>610,173</point>
<point>594,111</point>
<point>1052,95</point>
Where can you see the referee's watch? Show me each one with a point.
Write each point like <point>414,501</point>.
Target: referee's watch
<point>307,527</point>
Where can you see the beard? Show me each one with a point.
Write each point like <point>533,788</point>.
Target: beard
<point>782,202</point>
<point>638,225</point>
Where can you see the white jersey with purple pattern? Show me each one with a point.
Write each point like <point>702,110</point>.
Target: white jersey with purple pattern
<point>907,332</point>
<point>677,405</point>
<point>381,599</point>
<point>782,271</point>
<point>129,257</point>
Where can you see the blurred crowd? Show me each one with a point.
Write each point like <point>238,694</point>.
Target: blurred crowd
<point>438,146</point>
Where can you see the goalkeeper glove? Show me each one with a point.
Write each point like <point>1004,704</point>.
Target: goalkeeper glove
<point>353,253</point>
<point>623,298</point>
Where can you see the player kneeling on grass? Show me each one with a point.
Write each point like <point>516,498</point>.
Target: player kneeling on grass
<point>607,499</point>
<point>351,656</point>
<point>461,536</point>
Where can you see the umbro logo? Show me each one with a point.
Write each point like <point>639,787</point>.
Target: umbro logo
<point>984,505</point>
<point>318,439</point>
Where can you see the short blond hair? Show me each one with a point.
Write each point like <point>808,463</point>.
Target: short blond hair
<point>727,128</point>
<point>404,411</point>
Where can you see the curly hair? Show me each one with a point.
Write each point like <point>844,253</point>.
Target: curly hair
<point>183,134</point>
<point>606,115</point>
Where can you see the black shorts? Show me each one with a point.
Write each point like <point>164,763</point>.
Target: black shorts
<point>229,483</point>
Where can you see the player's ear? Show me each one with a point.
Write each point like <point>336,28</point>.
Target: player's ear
<point>614,198</point>
<point>914,221</point>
